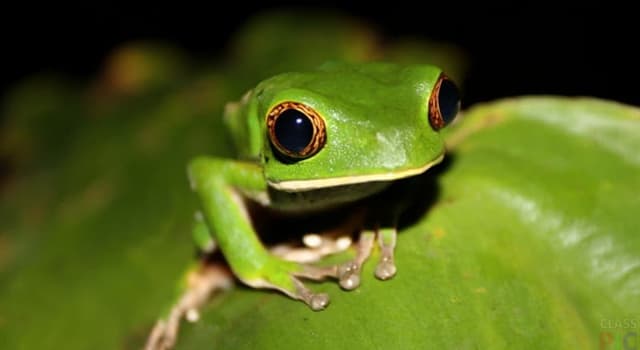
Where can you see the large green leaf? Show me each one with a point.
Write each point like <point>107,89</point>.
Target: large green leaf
<point>530,240</point>
<point>532,243</point>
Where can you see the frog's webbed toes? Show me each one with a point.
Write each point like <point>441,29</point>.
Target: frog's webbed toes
<point>348,273</point>
<point>285,279</point>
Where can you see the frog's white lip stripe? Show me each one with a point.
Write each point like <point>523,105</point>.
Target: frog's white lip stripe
<point>308,185</point>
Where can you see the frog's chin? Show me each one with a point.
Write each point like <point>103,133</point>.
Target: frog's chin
<point>314,184</point>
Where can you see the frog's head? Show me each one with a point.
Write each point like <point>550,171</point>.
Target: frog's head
<point>352,123</point>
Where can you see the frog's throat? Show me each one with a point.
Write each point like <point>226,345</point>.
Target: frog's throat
<point>308,185</point>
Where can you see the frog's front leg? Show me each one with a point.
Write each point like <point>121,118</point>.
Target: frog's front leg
<point>219,184</point>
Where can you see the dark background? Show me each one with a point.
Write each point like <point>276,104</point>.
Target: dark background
<point>542,49</point>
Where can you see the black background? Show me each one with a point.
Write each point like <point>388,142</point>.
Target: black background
<point>587,49</point>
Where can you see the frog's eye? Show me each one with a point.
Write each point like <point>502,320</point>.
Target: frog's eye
<point>444,103</point>
<point>296,131</point>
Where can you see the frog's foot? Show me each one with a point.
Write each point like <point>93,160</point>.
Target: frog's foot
<point>348,273</point>
<point>285,276</point>
<point>201,283</point>
<point>316,247</point>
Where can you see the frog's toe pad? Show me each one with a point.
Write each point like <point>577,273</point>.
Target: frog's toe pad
<point>318,301</point>
<point>386,269</point>
<point>349,275</point>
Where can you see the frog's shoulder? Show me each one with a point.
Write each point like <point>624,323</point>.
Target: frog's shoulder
<point>240,127</point>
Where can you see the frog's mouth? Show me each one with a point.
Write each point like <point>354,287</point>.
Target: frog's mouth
<point>314,184</point>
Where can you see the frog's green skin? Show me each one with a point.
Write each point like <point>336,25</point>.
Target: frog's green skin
<point>377,131</point>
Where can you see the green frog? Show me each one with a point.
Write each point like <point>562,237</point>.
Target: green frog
<point>309,141</point>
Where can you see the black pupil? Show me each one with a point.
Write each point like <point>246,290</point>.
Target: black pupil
<point>448,100</point>
<point>293,130</point>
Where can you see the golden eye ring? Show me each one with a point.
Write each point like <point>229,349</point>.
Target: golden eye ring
<point>296,131</point>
